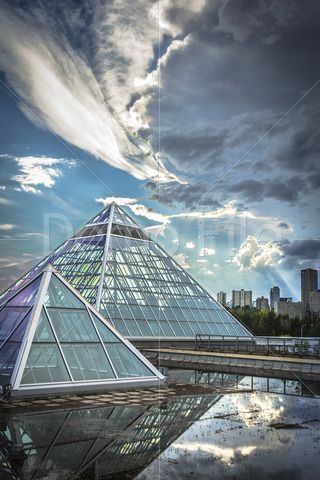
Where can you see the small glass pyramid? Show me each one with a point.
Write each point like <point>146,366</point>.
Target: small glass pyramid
<point>53,341</point>
<point>135,284</point>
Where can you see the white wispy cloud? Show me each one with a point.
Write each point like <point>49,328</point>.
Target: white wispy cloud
<point>75,100</point>
<point>6,226</point>
<point>137,208</point>
<point>38,171</point>
<point>119,200</point>
<point>253,254</point>
<point>225,454</point>
<point>2,187</point>
<point>6,201</point>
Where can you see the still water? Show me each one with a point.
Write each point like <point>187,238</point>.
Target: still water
<point>260,429</point>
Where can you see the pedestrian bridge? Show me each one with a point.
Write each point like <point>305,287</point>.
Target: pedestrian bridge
<point>271,365</point>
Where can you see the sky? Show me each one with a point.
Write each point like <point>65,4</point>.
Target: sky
<point>201,117</point>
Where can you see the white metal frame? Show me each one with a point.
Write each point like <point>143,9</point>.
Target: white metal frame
<point>104,258</point>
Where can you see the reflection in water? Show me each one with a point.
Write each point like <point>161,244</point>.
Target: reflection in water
<point>94,442</point>
<point>247,435</point>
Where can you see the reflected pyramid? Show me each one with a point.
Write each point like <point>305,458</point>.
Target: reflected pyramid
<point>98,443</point>
<point>134,283</point>
<point>53,341</point>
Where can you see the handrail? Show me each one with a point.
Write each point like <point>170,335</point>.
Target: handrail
<point>293,346</point>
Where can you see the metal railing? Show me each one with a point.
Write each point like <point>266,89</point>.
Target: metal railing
<point>290,346</point>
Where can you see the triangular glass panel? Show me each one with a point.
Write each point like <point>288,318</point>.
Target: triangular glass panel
<point>125,362</point>
<point>102,217</point>
<point>104,332</point>
<point>43,331</point>
<point>58,295</point>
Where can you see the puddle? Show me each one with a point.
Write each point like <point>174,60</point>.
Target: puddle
<point>240,435</point>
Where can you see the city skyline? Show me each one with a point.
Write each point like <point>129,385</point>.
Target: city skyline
<point>217,176</point>
<point>314,287</point>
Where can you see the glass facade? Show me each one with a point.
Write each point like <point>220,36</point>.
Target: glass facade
<point>145,293</point>
<point>67,341</point>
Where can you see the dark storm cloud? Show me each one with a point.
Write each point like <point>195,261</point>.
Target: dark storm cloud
<point>188,196</point>
<point>303,249</point>
<point>246,63</point>
<point>197,145</point>
<point>253,190</point>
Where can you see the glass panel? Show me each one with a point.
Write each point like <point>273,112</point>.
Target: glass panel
<point>27,295</point>
<point>104,332</point>
<point>58,295</point>
<point>43,331</point>
<point>87,362</point>
<point>101,217</point>
<point>9,351</point>
<point>44,365</point>
<point>72,325</point>
<point>8,356</point>
<point>125,362</point>
<point>9,319</point>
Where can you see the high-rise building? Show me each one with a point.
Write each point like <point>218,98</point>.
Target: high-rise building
<point>315,304</point>
<point>309,282</point>
<point>285,306</point>
<point>262,303</point>
<point>241,298</point>
<point>274,297</point>
<point>222,298</point>
<point>134,283</point>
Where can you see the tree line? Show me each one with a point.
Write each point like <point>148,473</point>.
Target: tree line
<point>266,322</point>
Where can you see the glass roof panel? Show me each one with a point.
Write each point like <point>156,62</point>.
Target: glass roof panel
<point>144,290</point>
<point>9,350</point>
<point>125,362</point>
<point>45,365</point>
<point>43,331</point>
<point>9,319</point>
<point>104,332</point>
<point>27,295</point>
<point>72,325</point>
<point>87,361</point>
<point>101,217</point>
<point>58,295</point>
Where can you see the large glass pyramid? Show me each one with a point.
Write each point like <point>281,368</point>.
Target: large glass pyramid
<point>135,284</point>
<point>53,341</point>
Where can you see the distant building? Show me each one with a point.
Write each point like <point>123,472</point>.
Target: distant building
<point>285,306</point>
<point>274,297</point>
<point>309,282</point>
<point>241,298</point>
<point>262,303</point>
<point>222,298</point>
<point>314,301</point>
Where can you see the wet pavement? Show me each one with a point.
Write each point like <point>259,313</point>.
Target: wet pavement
<point>256,432</point>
